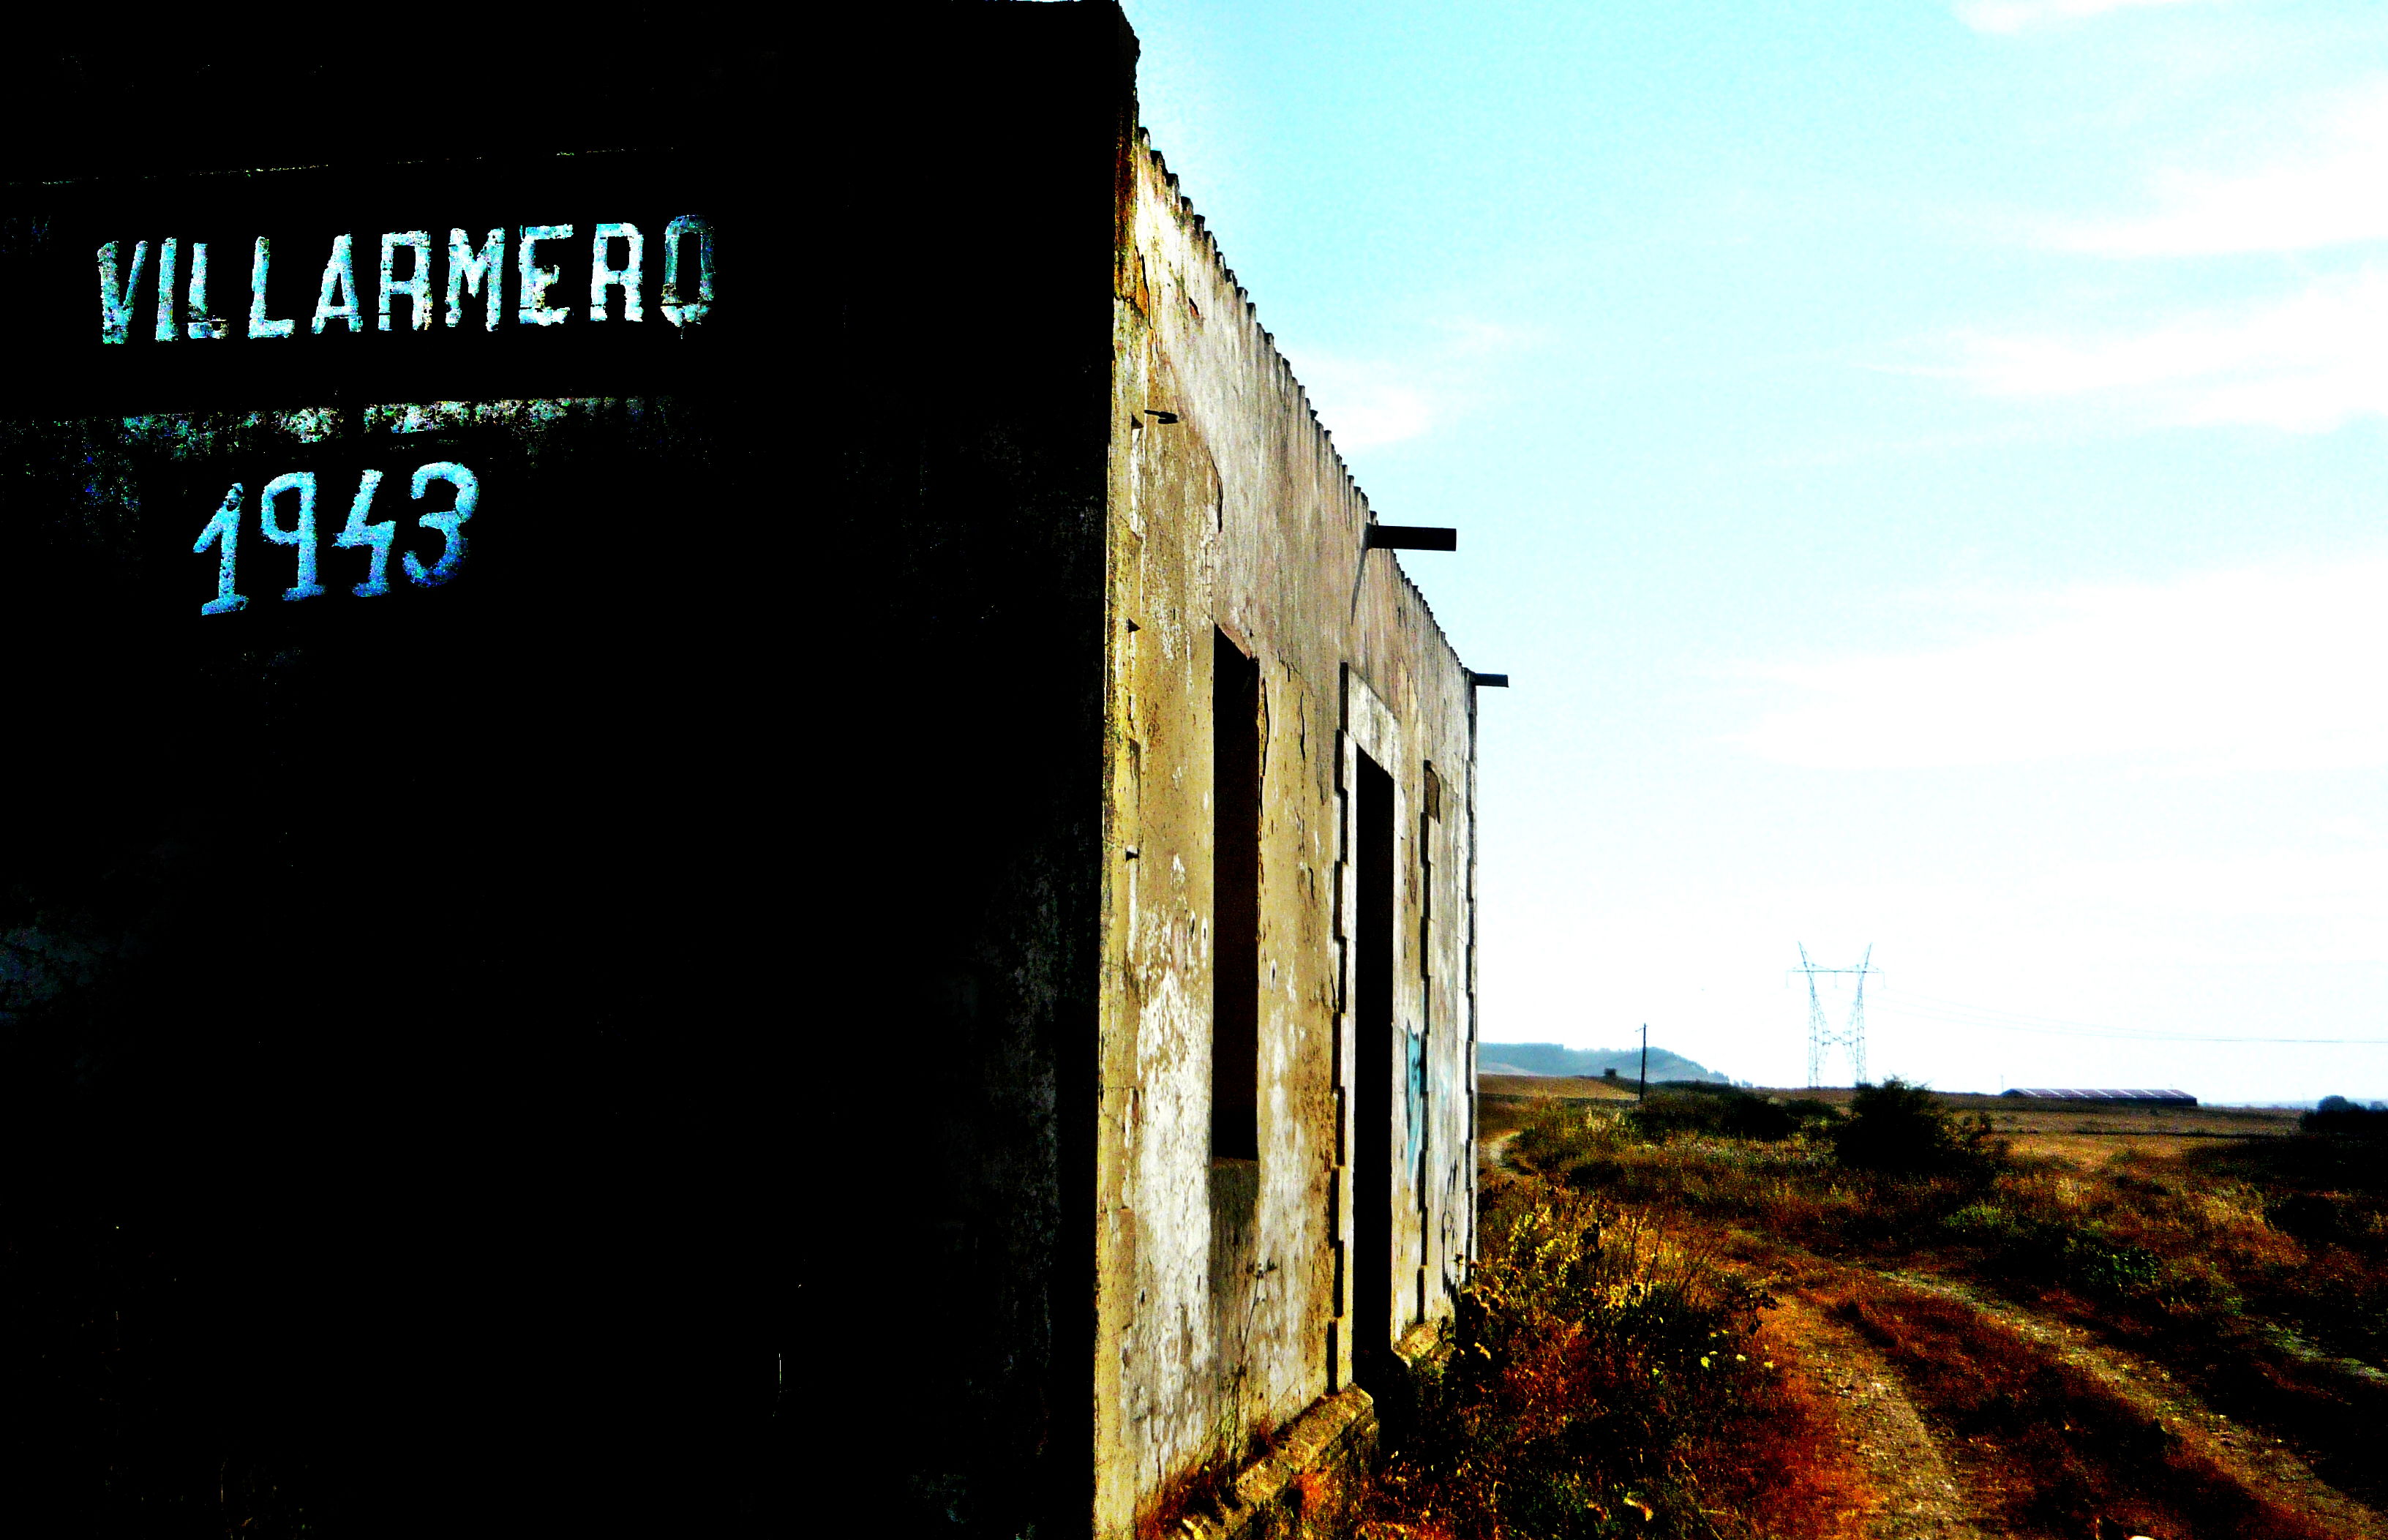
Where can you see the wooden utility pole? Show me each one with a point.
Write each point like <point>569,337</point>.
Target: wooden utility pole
<point>1643,1094</point>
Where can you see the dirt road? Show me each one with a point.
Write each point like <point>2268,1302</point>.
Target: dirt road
<point>1882,1433</point>
<point>1927,1470</point>
<point>2262,1465</point>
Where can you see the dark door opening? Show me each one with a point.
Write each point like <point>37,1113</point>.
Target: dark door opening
<point>1236,902</point>
<point>1373,1072</point>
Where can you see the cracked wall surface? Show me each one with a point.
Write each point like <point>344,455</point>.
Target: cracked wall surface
<point>1225,1299</point>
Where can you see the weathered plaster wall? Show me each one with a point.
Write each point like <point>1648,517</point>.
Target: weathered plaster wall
<point>1224,1287</point>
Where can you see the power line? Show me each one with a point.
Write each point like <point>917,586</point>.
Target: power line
<point>1956,1013</point>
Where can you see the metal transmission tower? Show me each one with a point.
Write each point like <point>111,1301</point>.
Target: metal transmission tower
<point>1822,1038</point>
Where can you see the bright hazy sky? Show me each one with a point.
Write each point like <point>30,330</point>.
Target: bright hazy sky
<point>1923,466</point>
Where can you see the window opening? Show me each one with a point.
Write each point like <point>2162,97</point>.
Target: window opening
<point>1236,906</point>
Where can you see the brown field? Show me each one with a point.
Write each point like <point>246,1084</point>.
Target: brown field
<point>1502,1100</point>
<point>2017,1117</point>
<point>1583,1088</point>
<point>2086,1322</point>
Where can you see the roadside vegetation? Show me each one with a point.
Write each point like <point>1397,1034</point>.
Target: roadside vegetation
<point>2138,1344</point>
<point>1608,1376</point>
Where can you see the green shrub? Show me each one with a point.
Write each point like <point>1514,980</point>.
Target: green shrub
<point>2096,1265</point>
<point>1903,1130</point>
<point>1984,1224</point>
<point>2083,1258</point>
<point>1728,1111</point>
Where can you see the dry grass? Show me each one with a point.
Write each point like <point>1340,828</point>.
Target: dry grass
<point>2054,1450</point>
<point>1609,1378</point>
<point>1783,1474</point>
<point>1503,1102</point>
<point>1566,1087</point>
<point>2253,1269</point>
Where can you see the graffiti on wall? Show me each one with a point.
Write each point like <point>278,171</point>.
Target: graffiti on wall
<point>1413,1104</point>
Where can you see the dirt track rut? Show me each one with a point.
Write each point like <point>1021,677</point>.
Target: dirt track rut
<point>2263,1466</point>
<point>1885,1436</point>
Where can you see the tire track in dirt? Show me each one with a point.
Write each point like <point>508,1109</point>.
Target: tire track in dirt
<point>1886,1437</point>
<point>2265,1467</point>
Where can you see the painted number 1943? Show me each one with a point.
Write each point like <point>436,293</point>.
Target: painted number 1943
<point>294,493</point>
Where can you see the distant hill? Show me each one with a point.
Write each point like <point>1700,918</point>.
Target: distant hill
<point>1551,1059</point>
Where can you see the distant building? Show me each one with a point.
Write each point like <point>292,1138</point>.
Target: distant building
<point>2145,1098</point>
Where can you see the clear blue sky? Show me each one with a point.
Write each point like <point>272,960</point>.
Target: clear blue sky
<point>1922,464</point>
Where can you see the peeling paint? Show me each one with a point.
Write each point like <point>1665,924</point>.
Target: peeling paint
<point>1237,514</point>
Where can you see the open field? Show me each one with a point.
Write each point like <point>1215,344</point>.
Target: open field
<point>1570,1086</point>
<point>2015,1117</point>
<point>2061,1320</point>
<point>2085,1132</point>
<point>2089,1133</point>
<point>1502,1100</point>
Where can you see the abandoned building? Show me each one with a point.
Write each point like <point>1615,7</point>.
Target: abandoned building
<point>720,802</point>
<point>1189,1020</point>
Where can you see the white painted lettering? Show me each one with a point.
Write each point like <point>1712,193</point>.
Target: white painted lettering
<point>537,280</point>
<point>116,302</point>
<point>259,325</point>
<point>618,253</point>
<point>418,287</point>
<point>601,277</point>
<point>196,321</point>
<point>363,534</point>
<point>167,330</point>
<point>680,311</point>
<point>300,534</point>
<point>340,272</point>
<point>224,533</point>
<point>450,523</point>
<point>470,271</point>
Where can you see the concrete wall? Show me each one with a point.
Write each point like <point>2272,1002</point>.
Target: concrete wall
<point>951,612</point>
<point>1043,1300</point>
<point>397,1048</point>
<point>1225,1289</point>
<point>795,1042</point>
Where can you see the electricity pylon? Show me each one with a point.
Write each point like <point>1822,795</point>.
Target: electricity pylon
<point>1822,1038</point>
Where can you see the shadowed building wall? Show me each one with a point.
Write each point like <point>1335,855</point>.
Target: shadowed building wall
<point>851,906</point>
<point>1132,1201</point>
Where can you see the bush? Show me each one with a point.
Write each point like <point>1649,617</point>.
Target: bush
<point>1728,1111</point>
<point>1557,1136</point>
<point>2081,1257</point>
<point>2310,1216</point>
<point>2095,1265</point>
<point>1903,1130</point>
<point>1593,1360</point>
<point>2336,1114</point>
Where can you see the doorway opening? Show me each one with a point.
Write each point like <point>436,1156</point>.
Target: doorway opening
<point>1375,1072</point>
